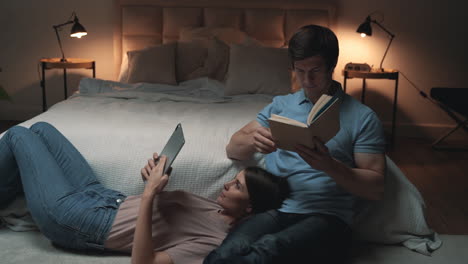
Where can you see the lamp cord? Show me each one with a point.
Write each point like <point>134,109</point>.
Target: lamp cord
<point>421,92</point>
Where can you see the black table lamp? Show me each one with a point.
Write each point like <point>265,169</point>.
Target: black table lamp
<point>77,31</point>
<point>366,30</point>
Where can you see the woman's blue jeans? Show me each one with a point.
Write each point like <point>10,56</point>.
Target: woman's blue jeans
<point>65,199</point>
<point>277,237</point>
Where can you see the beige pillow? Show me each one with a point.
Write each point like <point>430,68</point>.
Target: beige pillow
<point>190,56</point>
<point>258,70</point>
<point>155,64</point>
<point>226,34</point>
<point>216,62</point>
<point>202,58</point>
<point>123,75</point>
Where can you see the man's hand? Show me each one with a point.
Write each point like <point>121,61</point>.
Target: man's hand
<point>250,139</point>
<point>263,140</point>
<point>152,173</point>
<point>316,156</point>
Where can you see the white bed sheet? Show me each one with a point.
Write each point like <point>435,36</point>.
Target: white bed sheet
<point>118,126</point>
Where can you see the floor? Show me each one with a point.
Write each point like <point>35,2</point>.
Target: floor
<point>442,179</point>
<point>440,176</point>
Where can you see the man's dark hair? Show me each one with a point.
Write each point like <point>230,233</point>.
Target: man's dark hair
<point>266,190</point>
<point>313,40</point>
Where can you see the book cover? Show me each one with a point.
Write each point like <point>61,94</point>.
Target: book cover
<point>323,122</point>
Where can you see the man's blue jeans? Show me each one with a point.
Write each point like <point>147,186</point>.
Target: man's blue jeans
<point>65,199</point>
<point>277,237</point>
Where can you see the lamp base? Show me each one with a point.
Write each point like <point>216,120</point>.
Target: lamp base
<point>377,70</point>
<point>63,60</point>
<point>382,70</point>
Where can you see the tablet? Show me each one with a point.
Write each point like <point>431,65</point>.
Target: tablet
<point>173,147</point>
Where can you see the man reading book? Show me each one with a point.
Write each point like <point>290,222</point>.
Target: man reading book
<point>326,178</point>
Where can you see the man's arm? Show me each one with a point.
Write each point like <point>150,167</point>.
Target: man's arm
<point>366,180</point>
<point>252,138</point>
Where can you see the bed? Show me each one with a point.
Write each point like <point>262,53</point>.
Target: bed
<point>185,62</point>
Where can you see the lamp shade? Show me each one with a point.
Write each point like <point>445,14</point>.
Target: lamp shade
<point>77,30</point>
<point>365,28</point>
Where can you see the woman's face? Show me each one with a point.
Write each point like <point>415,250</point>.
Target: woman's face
<point>235,197</point>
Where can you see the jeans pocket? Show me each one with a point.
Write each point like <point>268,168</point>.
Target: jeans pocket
<point>83,211</point>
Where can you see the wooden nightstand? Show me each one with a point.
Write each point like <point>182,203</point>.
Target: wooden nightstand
<point>389,75</point>
<point>71,63</point>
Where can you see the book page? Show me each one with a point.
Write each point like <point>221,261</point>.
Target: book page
<point>324,108</point>
<point>286,120</point>
<point>325,127</point>
<point>317,107</point>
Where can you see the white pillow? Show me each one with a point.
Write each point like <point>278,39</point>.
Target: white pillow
<point>202,58</point>
<point>258,70</point>
<point>154,64</point>
<point>123,75</point>
<point>190,56</point>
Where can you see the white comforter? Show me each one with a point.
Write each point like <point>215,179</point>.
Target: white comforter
<point>118,126</point>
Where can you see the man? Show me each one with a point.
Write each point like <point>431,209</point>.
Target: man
<point>313,225</point>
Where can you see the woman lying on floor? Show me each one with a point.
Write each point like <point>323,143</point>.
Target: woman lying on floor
<point>74,210</point>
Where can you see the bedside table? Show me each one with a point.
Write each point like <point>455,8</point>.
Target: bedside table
<point>387,74</point>
<point>71,63</point>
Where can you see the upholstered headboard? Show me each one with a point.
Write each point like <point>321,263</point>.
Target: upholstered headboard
<point>142,23</point>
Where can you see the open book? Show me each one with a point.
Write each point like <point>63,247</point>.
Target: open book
<point>323,122</point>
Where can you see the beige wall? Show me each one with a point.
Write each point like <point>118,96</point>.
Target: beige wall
<point>429,49</point>
<point>27,36</point>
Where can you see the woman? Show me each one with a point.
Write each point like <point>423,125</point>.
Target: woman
<point>74,210</point>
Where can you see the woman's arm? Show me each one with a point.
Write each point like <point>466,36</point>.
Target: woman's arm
<point>143,249</point>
